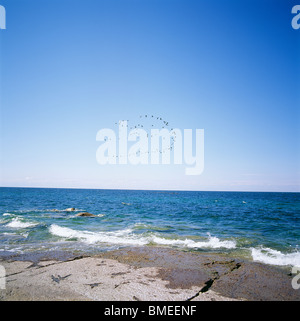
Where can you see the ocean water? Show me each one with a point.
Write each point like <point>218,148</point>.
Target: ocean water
<point>263,227</point>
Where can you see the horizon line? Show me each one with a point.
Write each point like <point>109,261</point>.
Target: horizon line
<point>154,190</point>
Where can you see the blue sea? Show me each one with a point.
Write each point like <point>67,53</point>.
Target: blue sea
<point>258,226</point>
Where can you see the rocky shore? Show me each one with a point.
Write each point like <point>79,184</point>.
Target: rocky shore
<point>144,274</point>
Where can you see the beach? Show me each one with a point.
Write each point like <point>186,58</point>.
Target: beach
<point>144,274</point>
<point>69,244</point>
<point>150,152</point>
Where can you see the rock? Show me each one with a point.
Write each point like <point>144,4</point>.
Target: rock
<point>71,209</point>
<point>85,214</point>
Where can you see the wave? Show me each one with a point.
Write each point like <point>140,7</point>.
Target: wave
<point>70,209</point>
<point>8,214</point>
<point>212,242</point>
<point>126,237</point>
<point>17,223</point>
<point>117,237</point>
<point>274,257</point>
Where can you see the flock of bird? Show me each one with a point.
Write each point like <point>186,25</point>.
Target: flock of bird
<point>163,124</point>
<point>152,125</point>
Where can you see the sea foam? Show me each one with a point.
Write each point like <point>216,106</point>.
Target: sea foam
<point>7,214</point>
<point>17,223</point>
<point>212,242</point>
<point>274,257</point>
<point>126,237</point>
<point>117,237</point>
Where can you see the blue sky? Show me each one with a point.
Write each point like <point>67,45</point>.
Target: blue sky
<point>71,68</point>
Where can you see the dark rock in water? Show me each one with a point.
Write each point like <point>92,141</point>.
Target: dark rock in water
<point>85,214</point>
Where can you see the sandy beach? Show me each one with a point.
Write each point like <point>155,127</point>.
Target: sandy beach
<point>144,274</point>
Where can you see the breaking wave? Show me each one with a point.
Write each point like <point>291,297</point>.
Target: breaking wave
<point>126,237</point>
<point>117,237</point>
<point>18,223</point>
<point>274,257</point>
<point>212,242</point>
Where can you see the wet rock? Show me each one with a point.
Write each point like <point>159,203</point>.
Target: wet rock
<point>257,282</point>
<point>86,214</point>
<point>229,277</point>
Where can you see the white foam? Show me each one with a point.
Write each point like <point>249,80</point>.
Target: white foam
<point>117,237</point>
<point>126,237</point>
<point>212,242</point>
<point>17,223</point>
<point>274,257</point>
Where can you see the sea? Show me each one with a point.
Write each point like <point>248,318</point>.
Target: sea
<point>256,226</point>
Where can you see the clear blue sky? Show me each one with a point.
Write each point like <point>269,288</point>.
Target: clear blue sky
<point>70,68</point>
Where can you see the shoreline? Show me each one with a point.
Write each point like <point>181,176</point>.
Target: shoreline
<point>144,274</point>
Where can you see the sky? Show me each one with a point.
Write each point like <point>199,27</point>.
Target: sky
<point>70,68</point>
